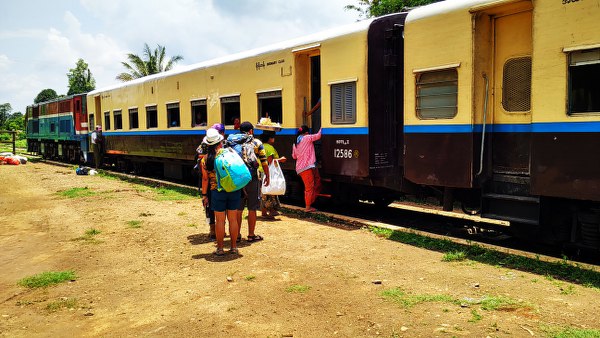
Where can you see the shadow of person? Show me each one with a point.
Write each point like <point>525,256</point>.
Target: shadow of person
<point>210,257</point>
<point>197,239</point>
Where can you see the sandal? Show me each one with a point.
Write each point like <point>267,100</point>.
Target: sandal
<point>234,251</point>
<point>219,252</point>
<point>254,238</point>
<point>212,237</point>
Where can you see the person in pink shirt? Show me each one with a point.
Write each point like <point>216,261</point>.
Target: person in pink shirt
<point>303,152</point>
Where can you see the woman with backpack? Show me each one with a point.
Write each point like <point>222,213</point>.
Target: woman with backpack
<point>303,151</point>
<point>221,202</point>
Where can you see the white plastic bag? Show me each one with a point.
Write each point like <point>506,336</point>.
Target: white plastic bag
<point>276,180</point>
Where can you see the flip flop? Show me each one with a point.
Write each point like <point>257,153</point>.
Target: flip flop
<point>254,238</point>
<point>234,251</point>
<point>219,252</point>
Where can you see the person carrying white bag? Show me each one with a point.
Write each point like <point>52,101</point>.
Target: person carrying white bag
<point>270,200</point>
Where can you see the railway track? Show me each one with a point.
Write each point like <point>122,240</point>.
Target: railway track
<point>425,220</point>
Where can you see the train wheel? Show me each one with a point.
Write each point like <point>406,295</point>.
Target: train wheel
<point>470,209</point>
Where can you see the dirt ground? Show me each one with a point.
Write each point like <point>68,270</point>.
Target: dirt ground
<point>150,272</point>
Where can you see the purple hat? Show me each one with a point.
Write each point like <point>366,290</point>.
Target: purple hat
<point>219,127</point>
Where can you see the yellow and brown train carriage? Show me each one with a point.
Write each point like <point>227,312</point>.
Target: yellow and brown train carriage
<point>355,72</point>
<point>502,109</point>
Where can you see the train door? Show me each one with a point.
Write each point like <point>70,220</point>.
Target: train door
<point>308,89</point>
<point>512,93</point>
<point>315,91</point>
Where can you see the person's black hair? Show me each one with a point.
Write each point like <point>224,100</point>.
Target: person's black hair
<point>246,127</point>
<point>266,135</point>
<point>301,131</point>
<point>210,157</point>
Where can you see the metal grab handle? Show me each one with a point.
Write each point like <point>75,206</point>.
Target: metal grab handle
<point>485,103</point>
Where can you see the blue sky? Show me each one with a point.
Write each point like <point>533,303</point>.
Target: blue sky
<point>41,40</point>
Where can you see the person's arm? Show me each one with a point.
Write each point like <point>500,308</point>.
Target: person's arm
<point>314,137</point>
<point>294,155</point>
<point>205,186</point>
<point>263,162</point>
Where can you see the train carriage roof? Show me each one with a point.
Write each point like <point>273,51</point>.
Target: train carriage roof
<point>297,42</point>
<point>447,6</point>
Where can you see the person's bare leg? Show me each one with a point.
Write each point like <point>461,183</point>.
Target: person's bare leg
<point>234,230</point>
<point>220,228</point>
<point>251,222</point>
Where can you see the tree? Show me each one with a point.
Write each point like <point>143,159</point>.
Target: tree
<point>5,110</point>
<point>375,8</point>
<point>45,95</point>
<point>80,79</point>
<point>153,62</point>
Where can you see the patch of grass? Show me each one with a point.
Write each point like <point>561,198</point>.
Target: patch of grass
<point>298,288</point>
<point>69,303</point>
<point>134,224</point>
<point>46,279</point>
<point>475,316</point>
<point>145,214</point>
<point>76,192</point>
<point>406,300</point>
<point>92,232</point>
<point>250,277</point>
<point>563,270</point>
<point>571,332</point>
<point>170,194</point>
<point>88,236</point>
<point>181,213</point>
<point>454,256</point>
<point>501,304</point>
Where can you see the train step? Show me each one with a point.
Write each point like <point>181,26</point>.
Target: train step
<point>520,209</point>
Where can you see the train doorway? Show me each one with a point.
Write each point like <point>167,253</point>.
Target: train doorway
<point>512,93</point>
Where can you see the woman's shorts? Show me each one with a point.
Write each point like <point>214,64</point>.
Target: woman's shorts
<point>222,200</point>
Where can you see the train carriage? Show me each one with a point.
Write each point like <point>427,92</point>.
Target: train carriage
<point>58,129</point>
<point>502,106</point>
<point>158,121</point>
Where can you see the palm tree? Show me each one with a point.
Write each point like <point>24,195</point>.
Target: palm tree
<point>154,61</point>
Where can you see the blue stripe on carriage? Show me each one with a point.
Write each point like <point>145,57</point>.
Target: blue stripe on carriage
<point>283,131</point>
<point>545,127</point>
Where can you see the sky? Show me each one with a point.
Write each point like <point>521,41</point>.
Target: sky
<point>41,40</point>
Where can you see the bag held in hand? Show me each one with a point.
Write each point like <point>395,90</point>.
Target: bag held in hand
<point>276,180</point>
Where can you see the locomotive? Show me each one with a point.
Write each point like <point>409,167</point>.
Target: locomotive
<point>489,103</point>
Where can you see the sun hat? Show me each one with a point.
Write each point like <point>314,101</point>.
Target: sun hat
<point>213,137</point>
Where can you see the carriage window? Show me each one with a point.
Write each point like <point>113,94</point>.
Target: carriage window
<point>118,118</point>
<point>199,113</point>
<point>343,103</point>
<point>516,85</point>
<point>134,121</point>
<point>270,105</point>
<point>173,115</point>
<point>230,110</point>
<point>584,88</point>
<point>91,122</point>
<point>106,120</point>
<point>151,117</point>
<point>437,94</point>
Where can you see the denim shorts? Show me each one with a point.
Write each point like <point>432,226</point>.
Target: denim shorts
<point>222,200</point>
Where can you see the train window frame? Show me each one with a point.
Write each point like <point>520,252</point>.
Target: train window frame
<point>173,115</point>
<point>442,86</point>
<point>583,72</point>
<point>230,109</point>
<point>199,112</point>
<point>270,104</point>
<point>151,117</point>
<point>107,120</point>
<point>118,119</point>
<point>343,102</point>
<point>91,121</point>
<point>134,118</point>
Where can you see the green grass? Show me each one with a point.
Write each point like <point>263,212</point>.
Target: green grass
<point>454,256</point>
<point>46,279</point>
<point>76,192</point>
<point>475,316</point>
<point>92,232</point>
<point>250,277</point>
<point>69,303</point>
<point>298,289</point>
<point>563,269</point>
<point>406,300</point>
<point>134,224</point>
<point>570,332</point>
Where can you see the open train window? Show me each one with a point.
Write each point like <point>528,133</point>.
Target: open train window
<point>118,118</point>
<point>584,87</point>
<point>437,94</point>
<point>106,120</point>
<point>343,103</point>
<point>134,121</point>
<point>230,109</point>
<point>270,105</point>
<point>91,122</point>
<point>199,113</point>
<point>151,117</point>
<point>173,115</point>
